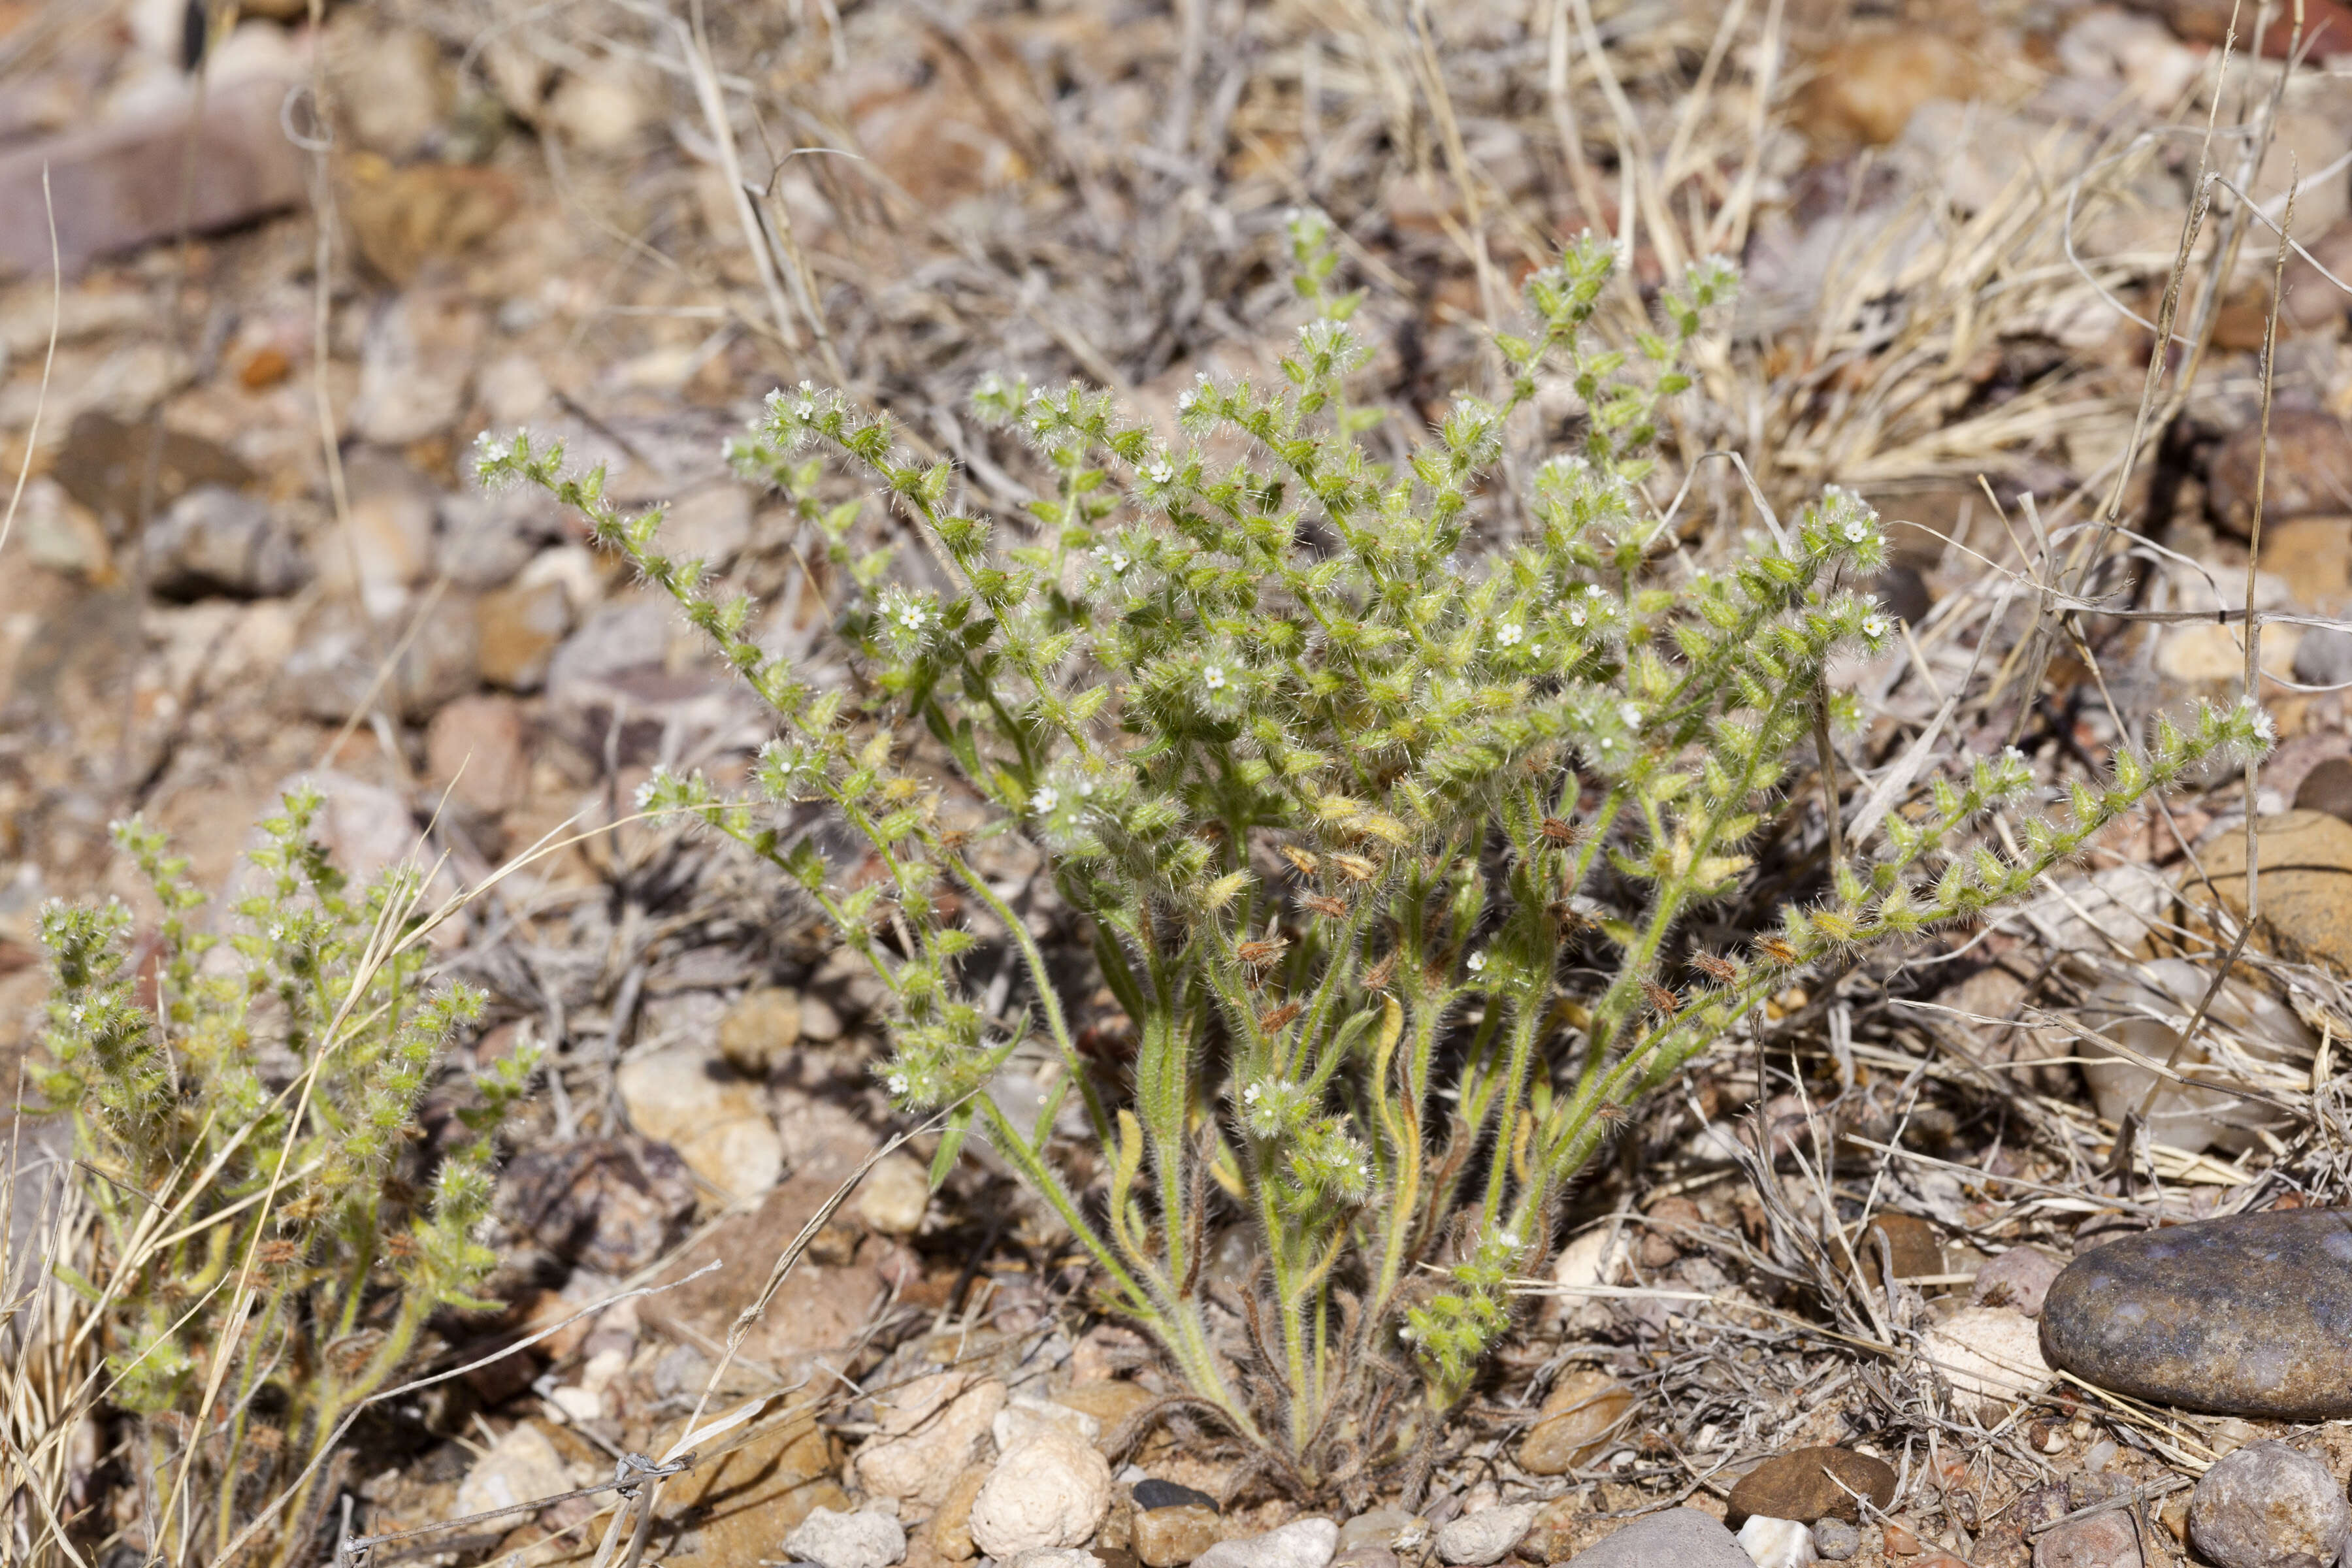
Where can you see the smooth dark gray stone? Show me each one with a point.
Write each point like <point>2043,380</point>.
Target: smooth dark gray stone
<point>2250,1315</point>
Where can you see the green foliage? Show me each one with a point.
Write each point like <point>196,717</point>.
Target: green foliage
<point>248,1134</point>
<point>1339,784</point>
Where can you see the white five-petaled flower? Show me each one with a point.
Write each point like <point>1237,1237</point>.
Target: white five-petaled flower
<point>1594,590</point>
<point>1576,615</point>
<point>1873,626</point>
<point>804,411</point>
<point>1250,1094</point>
<point>1159,473</point>
<point>910,616</point>
<point>1856,532</point>
<point>76,1011</point>
<point>1213,677</point>
<point>1117,561</point>
<point>1510,633</point>
<point>898,1082</point>
<point>1631,713</point>
<point>1045,800</point>
<point>1478,963</point>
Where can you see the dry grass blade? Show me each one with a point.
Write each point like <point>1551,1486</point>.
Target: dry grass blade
<point>48,361</point>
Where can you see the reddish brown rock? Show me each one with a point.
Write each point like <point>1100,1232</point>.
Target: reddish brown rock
<point>2309,473</point>
<point>114,187</point>
<point>1798,1485</point>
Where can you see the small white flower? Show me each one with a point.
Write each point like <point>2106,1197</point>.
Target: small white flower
<point>1534,650</point>
<point>1118,563</point>
<point>1045,800</point>
<point>1478,963</point>
<point>1510,633</point>
<point>76,1012</point>
<point>1873,626</point>
<point>804,411</point>
<point>1594,590</point>
<point>1159,473</point>
<point>1576,615</point>
<point>1631,713</point>
<point>1608,742</point>
<point>898,1082</point>
<point>1856,532</point>
<point>1213,677</point>
<point>1250,1094</point>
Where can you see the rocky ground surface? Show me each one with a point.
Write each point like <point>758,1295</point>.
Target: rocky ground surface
<point>426,219</point>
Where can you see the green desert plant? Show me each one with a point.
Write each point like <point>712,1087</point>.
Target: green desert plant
<point>1339,782</point>
<point>268,1249</point>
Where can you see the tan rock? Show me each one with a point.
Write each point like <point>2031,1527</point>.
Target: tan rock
<point>1577,1423</point>
<point>1052,1490</point>
<point>712,1118</point>
<point>520,1465</point>
<point>1992,1352</point>
<point>520,630</point>
<point>2313,556</point>
<point>929,1431</point>
<point>2305,861</point>
<point>895,1196</point>
<point>950,1527</point>
<point>474,746</point>
<point>761,1029</point>
<point>1109,1400</point>
<point>1164,1536</point>
<point>1867,89</point>
<point>405,217</point>
<point>816,1315</point>
<point>2203,654</point>
<point>742,1504</point>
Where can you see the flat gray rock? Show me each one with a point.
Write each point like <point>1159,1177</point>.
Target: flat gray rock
<point>1678,1538</point>
<point>2250,1315</point>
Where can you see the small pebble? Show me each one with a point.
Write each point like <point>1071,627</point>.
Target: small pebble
<point>1392,1528</point>
<point>1836,1540</point>
<point>1164,1536</point>
<point>1056,1557</point>
<point>1486,1536</point>
<point>1777,1542</point>
<point>2267,1506</point>
<point>2095,1540</point>
<point>1366,1557</point>
<point>837,1539</point>
<point>1302,1543</point>
<point>1900,1541</point>
<point>2019,1277</point>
